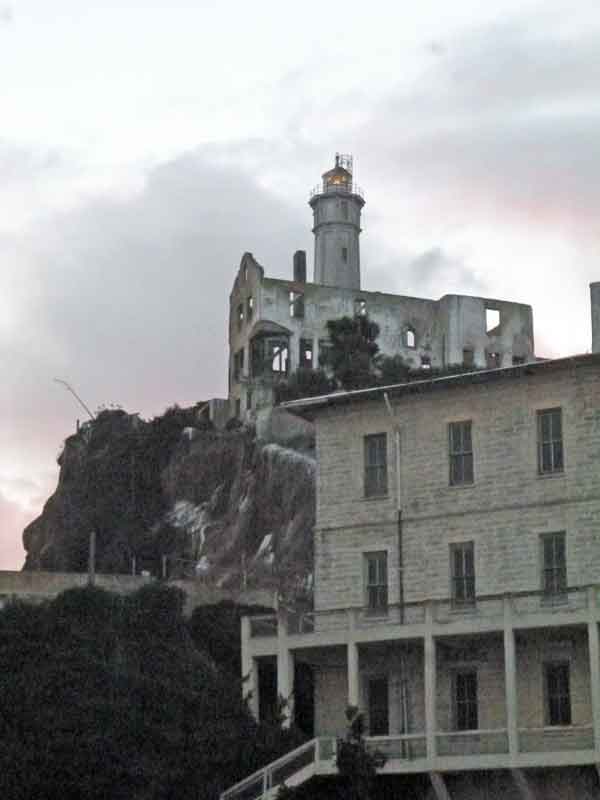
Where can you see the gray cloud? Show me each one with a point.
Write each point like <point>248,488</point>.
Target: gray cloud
<point>508,120</point>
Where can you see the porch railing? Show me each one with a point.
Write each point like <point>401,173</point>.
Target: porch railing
<point>472,743</point>
<point>407,747</point>
<point>553,739</point>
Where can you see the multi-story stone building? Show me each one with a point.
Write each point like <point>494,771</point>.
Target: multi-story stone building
<point>456,583</point>
<point>276,325</point>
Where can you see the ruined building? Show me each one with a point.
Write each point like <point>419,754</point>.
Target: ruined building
<point>276,325</point>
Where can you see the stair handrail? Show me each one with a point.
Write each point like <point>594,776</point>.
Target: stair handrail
<point>260,773</point>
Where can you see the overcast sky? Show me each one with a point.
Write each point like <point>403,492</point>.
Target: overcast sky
<point>144,146</point>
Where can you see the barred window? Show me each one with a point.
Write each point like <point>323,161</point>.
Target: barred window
<point>554,560</point>
<point>466,717</point>
<point>461,453</point>
<point>376,483</point>
<point>550,443</point>
<point>558,694</point>
<point>376,582</point>
<point>462,567</point>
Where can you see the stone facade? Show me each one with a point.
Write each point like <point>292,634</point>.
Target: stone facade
<point>519,636</point>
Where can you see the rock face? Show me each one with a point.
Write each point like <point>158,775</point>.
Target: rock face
<point>221,506</point>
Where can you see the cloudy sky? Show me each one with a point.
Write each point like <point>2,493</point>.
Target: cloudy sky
<point>144,146</point>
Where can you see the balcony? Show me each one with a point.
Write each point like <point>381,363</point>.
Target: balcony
<point>472,743</point>
<point>488,613</point>
<point>556,739</point>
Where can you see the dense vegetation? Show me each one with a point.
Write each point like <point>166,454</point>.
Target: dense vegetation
<point>104,696</point>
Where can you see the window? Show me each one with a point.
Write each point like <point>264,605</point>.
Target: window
<point>492,319</point>
<point>468,357</point>
<point>376,581</point>
<point>238,408</point>
<point>250,307</point>
<point>461,453</point>
<point>462,570</point>
<point>376,465</point>
<point>324,352</point>
<point>240,316</point>
<point>249,400</point>
<point>550,445</point>
<point>278,357</point>
<point>306,353</point>
<point>465,701</point>
<point>296,305</point>
<point>518,360</point>
<point>558,694</point>
<point>425,362</point>
<point>238,364</point>
<point>344,254</point>
<point>494,360</point>
<point>360,307</point>
<point>344,209</point>
<point>379,718</point>
<point>554,561</point>
<point>410,339</point>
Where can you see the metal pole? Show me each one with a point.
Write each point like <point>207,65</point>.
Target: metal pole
<point>92,559</point>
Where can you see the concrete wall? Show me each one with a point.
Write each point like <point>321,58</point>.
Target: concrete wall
<point>503,512</point>
<point>443,329</point>
<point>37,586</point>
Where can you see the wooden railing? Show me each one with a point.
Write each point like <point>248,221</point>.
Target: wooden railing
<point>554,739</point>
<point>472,743</point>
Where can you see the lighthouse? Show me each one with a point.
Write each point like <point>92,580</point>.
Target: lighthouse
<point>337,204</point>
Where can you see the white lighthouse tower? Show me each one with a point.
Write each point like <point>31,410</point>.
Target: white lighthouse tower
<point>337,203</point>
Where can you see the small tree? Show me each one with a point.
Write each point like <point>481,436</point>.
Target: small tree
<point>355,762</point>
<point>352,352</point>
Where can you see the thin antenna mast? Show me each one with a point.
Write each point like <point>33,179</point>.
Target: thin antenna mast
<point>69,388</point>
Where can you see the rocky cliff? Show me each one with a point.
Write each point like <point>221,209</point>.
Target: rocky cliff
<point>226,507</point>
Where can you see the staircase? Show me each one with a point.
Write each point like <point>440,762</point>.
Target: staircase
<point>292,769</point>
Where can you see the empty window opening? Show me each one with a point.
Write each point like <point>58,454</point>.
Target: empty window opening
<point>296,305</point>
<point>344,254</point>
<point>558,694</point>
<point>250,307</point>
<point>376,582</point>
<point>410,339</point>
<point>468,357</point>
<point>238,408</point>
<point>492,319</point>
<point>240,316</point>
<point>324,352</point>
<point>269,356</point>
<point>279,359</point>
<point>238,364</point>
<point>306,353</point>
<point>466,717</point>
<point>360,307</point>
<point>249,400</point>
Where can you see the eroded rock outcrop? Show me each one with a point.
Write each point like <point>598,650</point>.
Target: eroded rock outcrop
<point>221,506</point>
